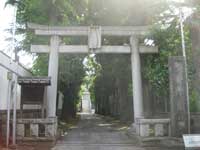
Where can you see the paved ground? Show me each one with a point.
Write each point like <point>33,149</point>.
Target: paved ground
<point>94,132</point>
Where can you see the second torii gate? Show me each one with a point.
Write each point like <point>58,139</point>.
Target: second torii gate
<point>94,34</point>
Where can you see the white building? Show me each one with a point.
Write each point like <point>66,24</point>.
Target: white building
<point>9,70</point>
<point>6,65</point>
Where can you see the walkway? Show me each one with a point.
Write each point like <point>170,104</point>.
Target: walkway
<point>94,132</point>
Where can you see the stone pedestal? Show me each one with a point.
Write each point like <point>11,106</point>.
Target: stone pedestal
<point>178,97</point>
<point>34,129</point>
<point>153,127</point>
<point>86,103</point>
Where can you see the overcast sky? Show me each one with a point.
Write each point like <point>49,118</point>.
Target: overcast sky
<point>6,18</point>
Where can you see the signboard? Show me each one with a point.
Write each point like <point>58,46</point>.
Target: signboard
<point>9,75</point>
<point>32,94</point>
<point>191,140</point>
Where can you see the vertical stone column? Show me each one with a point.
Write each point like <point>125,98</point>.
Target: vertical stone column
<point>53,73</point>
<point>178,97</point>
<point>136,78</point>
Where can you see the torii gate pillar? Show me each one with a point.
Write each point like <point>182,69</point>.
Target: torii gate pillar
<point>136,78</point>
<point>53,73</point>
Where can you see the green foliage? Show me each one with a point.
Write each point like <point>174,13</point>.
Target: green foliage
<point>71,74</point>
<point>194,104</point>
<point>156,66</point>
<point>92,69</point>
<point>40,66</point>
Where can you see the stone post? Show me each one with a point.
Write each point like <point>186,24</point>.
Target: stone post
<point>178,97</point>
<point>86,102</point>
<point>136,78</point>
<point>53,73</point>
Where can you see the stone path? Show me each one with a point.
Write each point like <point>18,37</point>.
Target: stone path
<point>94,132</point>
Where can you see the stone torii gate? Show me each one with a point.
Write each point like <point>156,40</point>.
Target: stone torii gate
<point>94,34</point>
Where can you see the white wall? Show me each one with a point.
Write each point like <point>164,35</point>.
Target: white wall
<point>5,66</point>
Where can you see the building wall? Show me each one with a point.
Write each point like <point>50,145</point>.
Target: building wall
<point>7,65</point>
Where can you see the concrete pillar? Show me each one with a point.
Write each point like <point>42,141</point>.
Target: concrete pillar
<point>136,78</point>
<point>53,73</point>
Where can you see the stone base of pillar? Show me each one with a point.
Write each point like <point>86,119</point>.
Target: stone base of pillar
<point>51,129</point>
<point>151,127</point>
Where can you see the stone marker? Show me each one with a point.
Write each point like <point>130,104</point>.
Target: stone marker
<point>86,102</point>
<point>178,97</point>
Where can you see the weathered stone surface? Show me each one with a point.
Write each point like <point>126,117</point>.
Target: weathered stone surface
<point>94,37</point>
<point>195,38</point>
<point>153,127</point>
<point>153,121</point>
<point>83,30</point>
<point>53,73</point>
<point>36,121</point>
<point>144,130</point>
<point>50,130</point>
<point>159,130</point>
<point>20,130</point>
<point>34,130</point>
<point>178,97</point>
<point>195,122</point>
<point>136,78</point>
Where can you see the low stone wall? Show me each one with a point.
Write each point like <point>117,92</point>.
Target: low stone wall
<point>26,114</point>
<point>37,129</point>
<point>153,127</point>
<point>195,122</point>
<point>194,117</point>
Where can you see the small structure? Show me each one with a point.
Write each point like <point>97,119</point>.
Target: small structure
<point>35,126</point>
<point>86,102</point>
<point>33,91</point>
